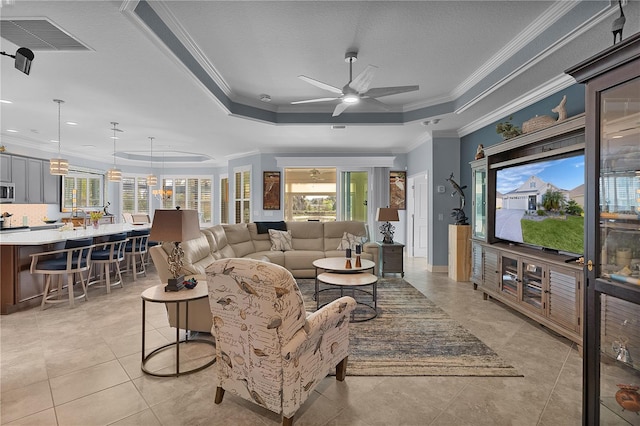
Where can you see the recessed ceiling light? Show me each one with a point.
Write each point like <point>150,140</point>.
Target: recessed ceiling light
<point>264,97</point>
<point>72,123</point>
<point>53,140</point>
<point>12,131</point>
<point>338,127</point>
<point>5,101</point>
<point>616,137</point>
<point>88,146</point>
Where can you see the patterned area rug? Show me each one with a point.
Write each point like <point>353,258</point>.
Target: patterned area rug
<point>411,336</point>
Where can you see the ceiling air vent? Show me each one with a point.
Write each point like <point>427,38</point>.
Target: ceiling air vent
<point>38,34</point>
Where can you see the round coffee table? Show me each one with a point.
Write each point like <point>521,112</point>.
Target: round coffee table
<point>338,264</point>
<point>157,294</point>
<point>352,282</point>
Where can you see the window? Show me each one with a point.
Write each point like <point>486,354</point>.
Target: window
<point>193,193</point>
<point>82,190</point>
<point>135,195</point>
<point>224,199</point>
<point>242,195</point>
<point>310,194</point>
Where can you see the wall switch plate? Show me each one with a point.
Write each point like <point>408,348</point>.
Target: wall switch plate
<point>441,189</point>
<point>440,216</point>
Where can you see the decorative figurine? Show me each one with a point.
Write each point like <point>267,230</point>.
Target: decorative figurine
<point>542,121</point>
<point>618,24</point>
<point>461,218</point>
<point>628,398</point>
<point>480,152</point>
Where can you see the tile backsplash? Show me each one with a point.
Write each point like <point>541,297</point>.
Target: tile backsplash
<point>30,214</point>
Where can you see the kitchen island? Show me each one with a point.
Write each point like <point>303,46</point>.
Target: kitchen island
<point>18,288</point>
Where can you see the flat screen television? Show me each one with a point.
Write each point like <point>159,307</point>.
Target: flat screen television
<point>540,203</point>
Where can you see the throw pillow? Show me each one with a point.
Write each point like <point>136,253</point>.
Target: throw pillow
<point>350,241</point>
<point>263,227</point>
<point>280,240</point>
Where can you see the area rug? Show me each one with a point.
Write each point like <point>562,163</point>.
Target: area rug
<point>411,336</point>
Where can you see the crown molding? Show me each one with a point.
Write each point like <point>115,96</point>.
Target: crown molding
<point>539,93</point>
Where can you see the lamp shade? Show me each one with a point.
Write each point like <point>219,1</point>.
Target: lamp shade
<point>175,225</point>
<point>58,166</point>
<point>386,214</point>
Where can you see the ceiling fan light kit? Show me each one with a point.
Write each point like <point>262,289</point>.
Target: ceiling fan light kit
<point>356,90</point>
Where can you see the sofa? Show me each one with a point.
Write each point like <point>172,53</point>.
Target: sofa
<point>309,241</point>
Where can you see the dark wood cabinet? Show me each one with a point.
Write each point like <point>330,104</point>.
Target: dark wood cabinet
<point>611,369</point>
<point>391,258</point>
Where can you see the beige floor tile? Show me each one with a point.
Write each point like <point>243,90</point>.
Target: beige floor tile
<point>102,408</point>
<point>24,401</point>
<point>131,364</point>
<point>61,362</point>
<point>20,374</point>
<point>143,418</point>
<point>43,418</point>
<point>87,381</point>
<point>132,343</point>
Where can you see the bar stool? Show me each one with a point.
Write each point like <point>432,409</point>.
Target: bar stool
<point>137,246</point>
<point>73,259</point>
<point>109,253</point>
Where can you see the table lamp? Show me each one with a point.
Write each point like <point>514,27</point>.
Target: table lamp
<point>175,226</point>
<point>386,215</point>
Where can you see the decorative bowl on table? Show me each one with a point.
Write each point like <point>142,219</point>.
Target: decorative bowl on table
<point>49,221</point>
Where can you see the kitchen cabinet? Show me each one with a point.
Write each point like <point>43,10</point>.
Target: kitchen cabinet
<point>5,168</point>
<point>34,181</point>
<point>611,366</point>
<point>19,178</point>
<point>50,185</point>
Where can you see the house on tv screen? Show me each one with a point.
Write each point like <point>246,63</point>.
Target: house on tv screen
<point>528,196</point>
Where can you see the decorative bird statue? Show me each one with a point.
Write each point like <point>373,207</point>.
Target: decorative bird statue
<point>618,24</point>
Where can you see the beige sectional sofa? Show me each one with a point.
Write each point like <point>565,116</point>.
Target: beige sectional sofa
<point>309,241</point>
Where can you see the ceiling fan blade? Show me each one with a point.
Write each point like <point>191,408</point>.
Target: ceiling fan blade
<point>363,80</point>
<point>378,92</point>
<point>320,84</point>
<point>339,109</point>
<point>308,101</point>
<point>372,101</point>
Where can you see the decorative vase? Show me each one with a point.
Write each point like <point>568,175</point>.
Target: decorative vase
<point>96,224</point>
<point>358,262</point>
<point>628,397</point>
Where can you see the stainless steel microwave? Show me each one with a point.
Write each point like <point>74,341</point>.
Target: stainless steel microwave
<point>7,192</point>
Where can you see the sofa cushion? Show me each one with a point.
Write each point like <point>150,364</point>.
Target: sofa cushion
<point>223,249</point>
<point>276,257</point>
<point>350,241</point>
<point>301,259</point>
<point>239,239</point>
<point>333,232</point>
<point>197,255</point>
<point>307,235</point>
<point>261,242</point>
<point>263,227</point>
<point>280,240</point>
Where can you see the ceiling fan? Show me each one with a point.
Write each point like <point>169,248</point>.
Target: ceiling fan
<point>356,90</point>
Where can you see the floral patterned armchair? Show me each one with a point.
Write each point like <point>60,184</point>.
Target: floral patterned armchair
<point>268,349</point>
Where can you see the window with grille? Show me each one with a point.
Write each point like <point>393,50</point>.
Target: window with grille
<point>82,190</point>
<point>192,193</point>
<point>242,195</point>
<point>135,195</point>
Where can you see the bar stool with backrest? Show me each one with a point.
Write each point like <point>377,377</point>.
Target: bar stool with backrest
<point>137,247</point>
<point>107,254</point>
<point>74,258</point>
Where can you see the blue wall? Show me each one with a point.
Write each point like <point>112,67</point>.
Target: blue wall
<point>488,136</point>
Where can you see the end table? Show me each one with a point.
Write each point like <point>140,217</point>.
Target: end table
<point>391,258</point>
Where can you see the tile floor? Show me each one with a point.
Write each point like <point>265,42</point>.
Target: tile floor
<point>81,367</point>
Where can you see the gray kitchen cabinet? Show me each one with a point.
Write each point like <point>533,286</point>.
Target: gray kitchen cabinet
<point>19,178</point>
<point>5,168</point>
<point>34,181</point>
<point>50,185</point>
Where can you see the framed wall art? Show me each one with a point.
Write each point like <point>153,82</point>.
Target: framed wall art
<point>271,190</point>
<point>397,190</point>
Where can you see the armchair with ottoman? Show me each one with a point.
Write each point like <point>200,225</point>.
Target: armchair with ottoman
<point>309,241</point>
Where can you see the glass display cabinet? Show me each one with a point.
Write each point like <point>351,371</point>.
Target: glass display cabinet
<point>612,308</point>
<point>479,200</point>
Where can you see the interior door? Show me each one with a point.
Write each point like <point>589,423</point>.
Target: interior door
<point>418,219</point>
<point>354,195</point>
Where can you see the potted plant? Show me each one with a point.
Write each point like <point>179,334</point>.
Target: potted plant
<point>95,218</point>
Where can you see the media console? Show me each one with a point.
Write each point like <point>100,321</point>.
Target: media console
<point>544,285</point>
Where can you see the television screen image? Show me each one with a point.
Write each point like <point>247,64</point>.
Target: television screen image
<point>541,204</point>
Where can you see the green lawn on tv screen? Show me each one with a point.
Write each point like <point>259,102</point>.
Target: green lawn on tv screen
<point>561,234</point>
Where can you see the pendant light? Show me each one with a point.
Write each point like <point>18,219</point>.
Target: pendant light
<point>152,180</point>
<point>58,166</point>
<point>114,174</point>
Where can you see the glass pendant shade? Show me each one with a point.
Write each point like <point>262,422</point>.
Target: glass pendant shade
<point>152,180</point>
<point>58,166</point>
<point>114,175</point>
